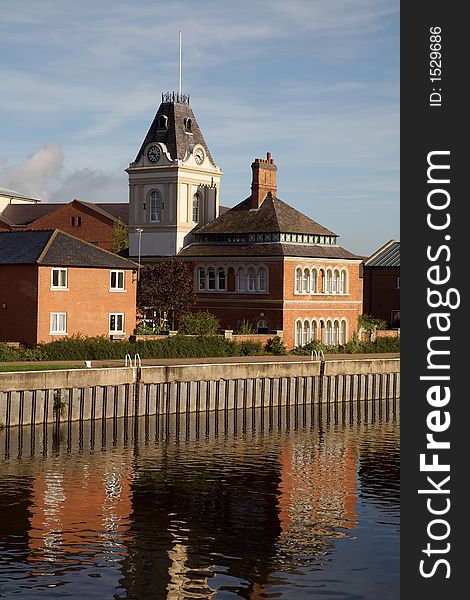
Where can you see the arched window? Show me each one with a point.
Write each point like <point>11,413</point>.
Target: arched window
<point>314,330</point>
<point>188,125</point>
<point>306,333</point>
<point>298,280</point>
<point>335,338</point>
<point>211,278</point>
<point>328,281</point>
<point>221,279</point>
<point>322,282</point>
<point>162,122</point>
<point>196,203</point>
<point>251,280</point>
<point>342,282</point>
<point>201,279</point>
<point>155,207</point>
<point>262,279</point>
<point>313,281</point>
<point>328,332</point>
<point>241,280</point>
<point>336,282</point>
<point>306,281</point>
<point>342,335</point>
<point>298,333</point>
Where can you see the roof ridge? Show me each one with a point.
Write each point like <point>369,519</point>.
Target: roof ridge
<point>47,246</point>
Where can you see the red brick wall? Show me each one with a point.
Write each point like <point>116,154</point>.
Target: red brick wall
<point>321,306</point>
<point>94,228</point>
<point>87,302</point>
<point>281,306</point>
<point>231,308</point>
<point>18,302</point>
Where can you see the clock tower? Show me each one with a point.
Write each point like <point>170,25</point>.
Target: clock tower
<point>173,182</point>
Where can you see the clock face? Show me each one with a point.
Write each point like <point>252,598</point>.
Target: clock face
<point>153,154</point>
<point>199,155</point>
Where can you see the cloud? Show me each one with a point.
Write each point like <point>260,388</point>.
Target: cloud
<point>32,176</point>
<point>88,184</point>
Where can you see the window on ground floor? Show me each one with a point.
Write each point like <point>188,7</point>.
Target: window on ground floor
<point>58,323</point>
<point>116,323</point>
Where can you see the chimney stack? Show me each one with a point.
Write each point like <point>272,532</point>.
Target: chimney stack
<point>264,180</point>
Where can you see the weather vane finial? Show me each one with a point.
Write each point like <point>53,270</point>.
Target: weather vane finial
<point>180,75</point>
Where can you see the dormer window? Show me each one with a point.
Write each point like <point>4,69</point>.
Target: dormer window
<point>162,122</point>
<point>188,125</point>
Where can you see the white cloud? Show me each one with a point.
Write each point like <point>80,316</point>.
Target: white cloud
<point>33,175</point>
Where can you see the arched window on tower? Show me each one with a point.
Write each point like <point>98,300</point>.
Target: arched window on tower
<point>162,122</point>
<point>196,205</point>
<point>188,125</point>
<point>155,207</point>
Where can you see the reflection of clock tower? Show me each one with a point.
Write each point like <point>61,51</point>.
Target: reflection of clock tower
<point>173,182</point>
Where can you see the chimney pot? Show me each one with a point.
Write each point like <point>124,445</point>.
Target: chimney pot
<point>264,180</point>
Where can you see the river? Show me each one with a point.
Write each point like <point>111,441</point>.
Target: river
<point>288,503</point>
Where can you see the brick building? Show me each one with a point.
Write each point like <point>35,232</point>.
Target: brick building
<point>90,222</point>
<point>261,261</point>
<point>382,284</point>
<point>266,262</point>
<point>54,285</point>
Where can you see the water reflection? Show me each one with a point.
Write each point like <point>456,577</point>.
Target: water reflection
<point>248,505</point>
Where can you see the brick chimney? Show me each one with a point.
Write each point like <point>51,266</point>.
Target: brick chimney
<point>264,179</point>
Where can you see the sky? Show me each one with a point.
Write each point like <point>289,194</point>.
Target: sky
<point>314,82</point>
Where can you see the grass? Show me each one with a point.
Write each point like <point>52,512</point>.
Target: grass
<point>35,366</point>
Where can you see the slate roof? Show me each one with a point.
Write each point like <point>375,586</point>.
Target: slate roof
<point>273,216</point>
<point>268,249</point>
<point>52,247</point>
<point>386,256</point>
<point>25,214</point>
<point>175,138</point>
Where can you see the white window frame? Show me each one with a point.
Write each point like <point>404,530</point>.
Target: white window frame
<point>196,207</point>
<point>155,203</point>
<point>59,270</point>
<point>59,318</point>
<point>115,331</point>
<point>116,288</point>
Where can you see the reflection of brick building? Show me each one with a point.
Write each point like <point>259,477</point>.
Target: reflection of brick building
<point>382,284</point>
<point>68,509</point>
<point>318,491</point>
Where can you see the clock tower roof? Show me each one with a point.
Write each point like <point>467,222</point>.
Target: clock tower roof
<point>175,126</point>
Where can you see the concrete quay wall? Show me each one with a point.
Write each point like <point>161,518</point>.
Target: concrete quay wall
<point>29,398</point>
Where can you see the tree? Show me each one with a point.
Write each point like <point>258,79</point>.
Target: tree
<point>200,323</point>
<point>120,236</point>
<point>166,288</point>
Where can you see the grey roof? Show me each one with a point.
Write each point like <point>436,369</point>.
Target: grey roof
<point>269,249</point>
<point>386,256</point>
<point>52,247</point>
<point>273,216</point>
<point>25,214</point>
<point>175,138</point>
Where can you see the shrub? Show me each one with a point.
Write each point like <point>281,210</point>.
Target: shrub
<point>199,323</point>
<point>276,346</point>
<point>246,328</point>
